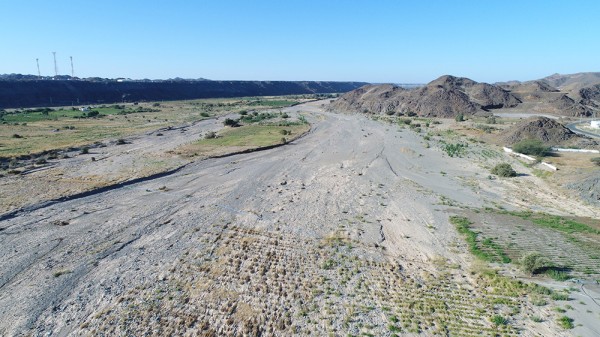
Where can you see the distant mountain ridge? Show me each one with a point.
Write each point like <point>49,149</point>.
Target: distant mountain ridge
<point>449,96</point>
<point>444,97</point>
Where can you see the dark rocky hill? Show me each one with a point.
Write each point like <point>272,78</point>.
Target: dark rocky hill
<point>32,93</point>
<point>546,130</point>
<point>446,96</point>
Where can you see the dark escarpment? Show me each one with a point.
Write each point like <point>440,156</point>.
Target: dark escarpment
<point>41,93</point>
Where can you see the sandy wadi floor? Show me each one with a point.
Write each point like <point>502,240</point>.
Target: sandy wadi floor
<point>342,231</point>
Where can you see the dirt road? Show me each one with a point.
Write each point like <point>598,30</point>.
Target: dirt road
<point>70,268</point>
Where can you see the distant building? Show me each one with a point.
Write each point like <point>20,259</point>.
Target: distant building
<point>595,124</point>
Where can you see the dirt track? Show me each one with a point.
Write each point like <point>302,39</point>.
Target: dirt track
<point>351,177</point>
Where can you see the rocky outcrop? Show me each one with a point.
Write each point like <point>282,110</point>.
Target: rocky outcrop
<point>590,96</point>
<point>28,93</point>
<point>446,96</point>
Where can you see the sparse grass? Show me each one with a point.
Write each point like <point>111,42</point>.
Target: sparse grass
<point>59,129</point>
<point>252,135</point>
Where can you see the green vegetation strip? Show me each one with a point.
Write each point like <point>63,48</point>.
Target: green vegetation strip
<point>475,247</point>
<point>254,135</point>
<point>555,222</point>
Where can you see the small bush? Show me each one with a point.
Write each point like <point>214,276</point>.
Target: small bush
<point>533,262</point>
<point>17,136</point>
<point>498,320</point>
<point>85,150</point>
<point>204,114</point>
<point>210,135</point>
<point>459,118</point>
<point>230,122</point>
<point>596,160</point>
<point>566,322</point>
<point>504,170</point>
<point>121,141</point>
<point>532,147</point>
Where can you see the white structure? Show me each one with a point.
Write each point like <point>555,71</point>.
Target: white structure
<point>595,124</point>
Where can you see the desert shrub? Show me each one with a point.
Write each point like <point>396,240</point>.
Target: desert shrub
<point>498,320</point>
<point>491,120</point>
<point>532,147</point>
<point>85,150</point>
<point>454,150</point>
<point>230,122</point>
<point>121,141</point>
<point>566,322</point>
<point>459,118</point>
<point>210,135</point>
<point>596,160</point>
<point>284,115</point>
<point>243,112</point>
<point>534,262</point>
<point>204,114</point>
<point>504,170</point>
<point>411,114</point>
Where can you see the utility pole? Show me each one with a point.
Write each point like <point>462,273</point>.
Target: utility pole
<point>55,66</point>
<point>38,67</point>
<point>72,71</point>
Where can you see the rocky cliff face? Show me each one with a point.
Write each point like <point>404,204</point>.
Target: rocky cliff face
<point>446,96</point>
<point>17,94</point>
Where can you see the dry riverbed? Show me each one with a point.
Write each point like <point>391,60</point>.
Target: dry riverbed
<point>344,231</point>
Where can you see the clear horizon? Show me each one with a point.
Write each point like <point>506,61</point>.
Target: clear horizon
<point>382,42</point>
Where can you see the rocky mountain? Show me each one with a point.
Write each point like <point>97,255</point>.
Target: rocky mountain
<point>446,96</point>
<point>590,96</point>
<point>31,93</point>
<point>572,82</point>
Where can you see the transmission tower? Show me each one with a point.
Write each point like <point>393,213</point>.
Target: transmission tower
<point>72,71</point>
<point>55,66</point>
<point>38,67</point>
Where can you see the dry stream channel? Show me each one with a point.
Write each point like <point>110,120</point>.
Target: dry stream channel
<point>343,232</point>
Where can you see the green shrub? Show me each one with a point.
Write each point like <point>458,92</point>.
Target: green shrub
<point>230,122</point>
<point>596,160</point>
<point>566,322</point>
<point>504,170</point>
<point>459,118</point>
<point>533,262</point>
<point>532,147</point>
<point>498,320</point>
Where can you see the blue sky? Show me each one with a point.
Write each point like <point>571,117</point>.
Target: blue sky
<point>374,41</point>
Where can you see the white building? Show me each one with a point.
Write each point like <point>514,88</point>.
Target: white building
<point>595,124</point>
